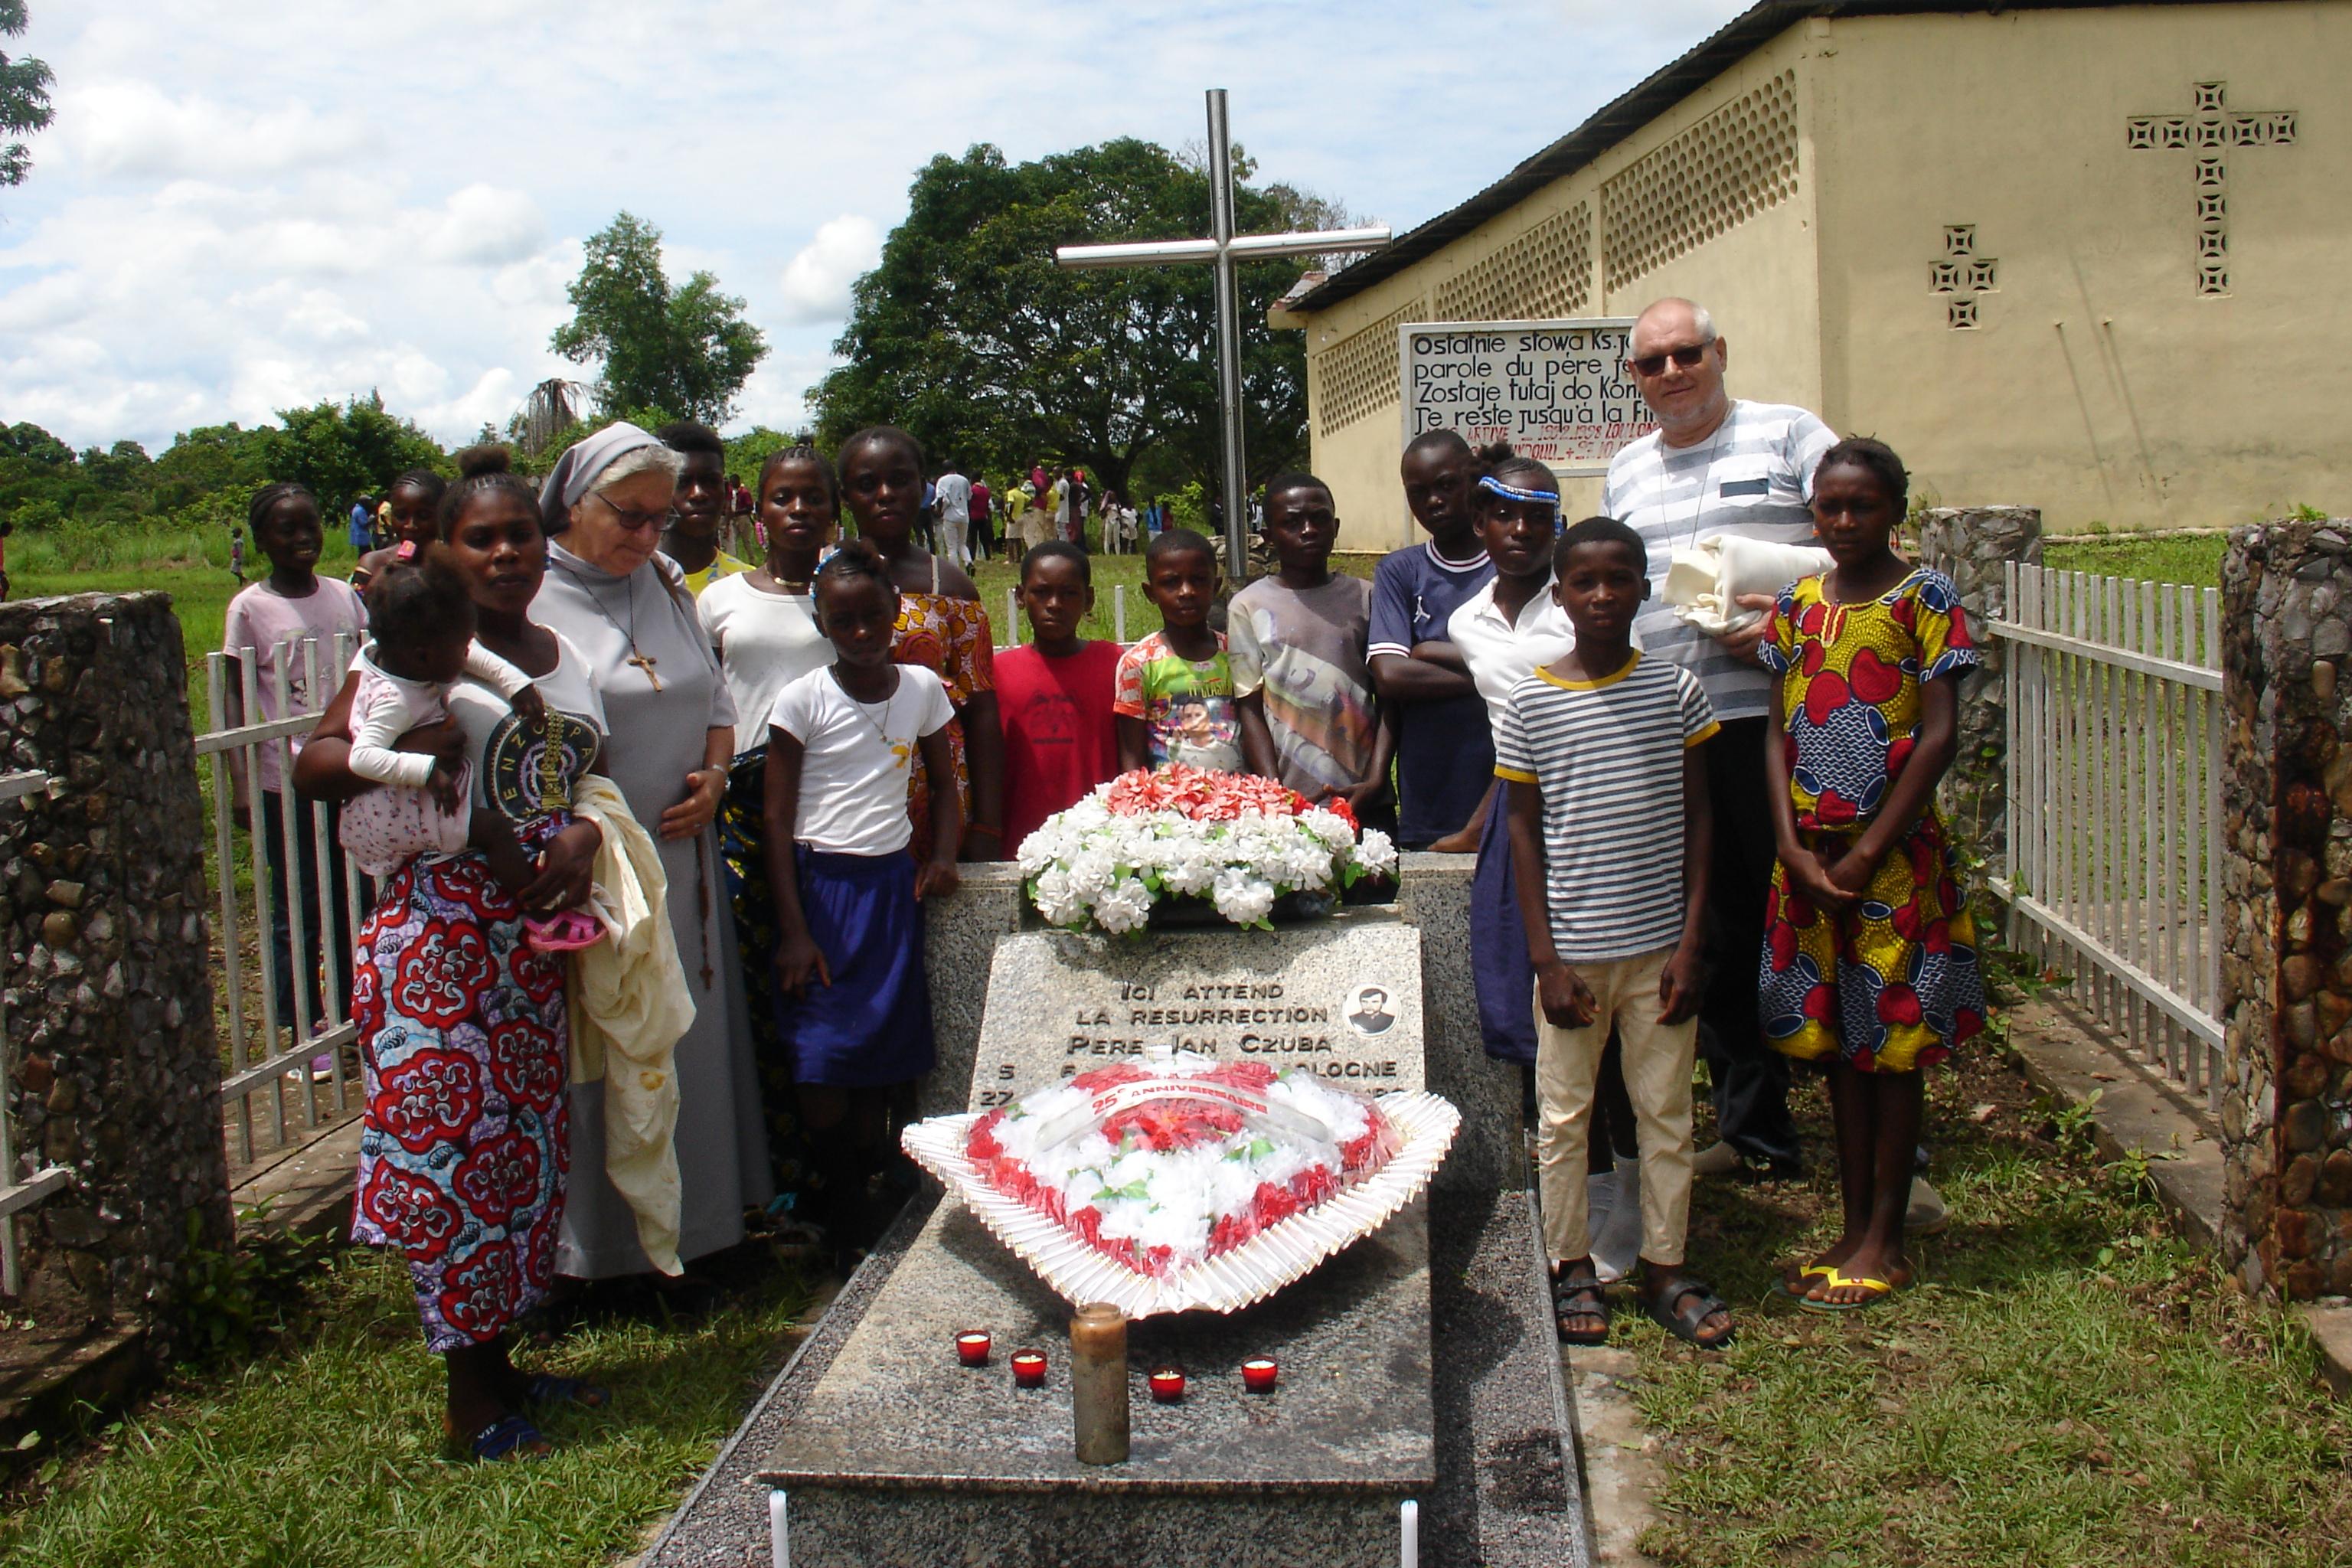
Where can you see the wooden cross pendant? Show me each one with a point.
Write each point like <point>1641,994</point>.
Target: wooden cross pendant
<point>646,663</point>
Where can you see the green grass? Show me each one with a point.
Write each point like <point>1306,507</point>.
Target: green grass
<point>2069,1382</point>
<point>200,595</point>
<point>2195,559</point>
<point>1110,573</point>
<point>329,1455</point>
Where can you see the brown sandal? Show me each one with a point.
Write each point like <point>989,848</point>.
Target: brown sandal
<point>1683,1308</point>
<point>1576,1293</point>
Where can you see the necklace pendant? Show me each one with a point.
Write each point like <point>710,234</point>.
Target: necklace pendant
<point>644,662</point>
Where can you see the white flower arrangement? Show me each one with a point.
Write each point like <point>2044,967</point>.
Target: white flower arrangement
<point>1239,840</point>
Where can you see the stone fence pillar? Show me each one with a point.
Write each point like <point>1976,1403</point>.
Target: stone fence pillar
<point>110,1068</point>
<point>1971,545</point>
<point>2286,963</point>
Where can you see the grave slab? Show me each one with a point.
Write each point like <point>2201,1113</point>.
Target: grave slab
<point>901,1455</point>
<point>1506,1492</point>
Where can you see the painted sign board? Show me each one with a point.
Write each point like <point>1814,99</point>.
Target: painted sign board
<point>1557,391</point>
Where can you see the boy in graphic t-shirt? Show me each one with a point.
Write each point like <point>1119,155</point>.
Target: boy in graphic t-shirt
<point>1054,695</point>
<point>1175,690</point>
<point>1297,640</point>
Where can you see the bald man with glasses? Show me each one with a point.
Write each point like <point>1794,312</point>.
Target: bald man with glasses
<point>1718,465</point>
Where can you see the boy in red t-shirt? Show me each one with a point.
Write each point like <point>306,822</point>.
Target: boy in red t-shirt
<point>1054,696</point>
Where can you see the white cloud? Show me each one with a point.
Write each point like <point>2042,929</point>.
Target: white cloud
<point>132,128</point>
<point>243,207</point>
<point>816,281</point>
<point>482,223</point>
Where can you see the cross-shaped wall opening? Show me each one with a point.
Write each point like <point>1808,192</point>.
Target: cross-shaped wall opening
<point>2210,126</point>
<point>1962,275</point>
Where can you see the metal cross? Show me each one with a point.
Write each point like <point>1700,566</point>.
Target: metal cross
<point>1224,248</point>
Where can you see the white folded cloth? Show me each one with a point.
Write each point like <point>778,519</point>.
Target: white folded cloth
<point>1616,1228</point>
<point>1704,584</point>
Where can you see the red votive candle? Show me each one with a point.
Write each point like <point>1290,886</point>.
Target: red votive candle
<point>1168,1384</point>
<point>1258,1374</point>
<point>1029,1369</point>
<point>971,1347</point>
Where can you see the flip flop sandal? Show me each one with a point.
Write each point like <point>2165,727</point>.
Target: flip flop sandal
<point>1565,1287</point>
<point>1682,1309</point>
<point>509,1437</point>
<point>546,1388</point>
<point>1880,1290</point>
<point>1802,1290</point>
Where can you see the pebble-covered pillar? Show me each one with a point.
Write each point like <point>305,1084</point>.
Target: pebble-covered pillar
<point>2286,963</point>
<point>1972,545</point>
<point>111,1068</point>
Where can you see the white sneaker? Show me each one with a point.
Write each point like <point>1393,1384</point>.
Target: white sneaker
<point>1617,1240</point>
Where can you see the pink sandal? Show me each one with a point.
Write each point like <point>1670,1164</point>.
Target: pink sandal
<point>566,932</point>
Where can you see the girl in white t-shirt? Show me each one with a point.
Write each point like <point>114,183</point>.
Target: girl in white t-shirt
<point>853,1007</point>
<point>763,625</point>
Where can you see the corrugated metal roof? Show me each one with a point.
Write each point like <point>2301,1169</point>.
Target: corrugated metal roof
<point>1658,92</point>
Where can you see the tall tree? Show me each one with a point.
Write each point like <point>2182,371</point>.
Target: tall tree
<point>686,348</point>
<point>212,459</point>
<point>342,452</point>
<point>967,334</point>
<point>24,97</point>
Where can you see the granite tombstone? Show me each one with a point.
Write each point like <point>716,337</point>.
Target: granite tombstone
<point>898,1454</point>
<point>1506,1493</point>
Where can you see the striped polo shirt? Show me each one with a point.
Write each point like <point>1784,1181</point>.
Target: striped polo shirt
<point>1607,757</point>
<point>1754,477</point>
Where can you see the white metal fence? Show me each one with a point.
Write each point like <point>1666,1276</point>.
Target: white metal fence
<point>19,1189</point>
<point>2115,804</point>
<point>270,1050</point>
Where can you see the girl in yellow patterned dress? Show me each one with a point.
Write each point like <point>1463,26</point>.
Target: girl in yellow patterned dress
<point>941,627</point>
<point>1869,960</point>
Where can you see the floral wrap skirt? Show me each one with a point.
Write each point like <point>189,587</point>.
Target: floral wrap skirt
<point>463,1048</point>
<point>1888,983</point>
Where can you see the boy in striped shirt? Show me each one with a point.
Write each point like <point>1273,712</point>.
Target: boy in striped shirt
<point>1610,833</point>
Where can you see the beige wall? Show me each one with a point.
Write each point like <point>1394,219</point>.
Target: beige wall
<point>2100,384</point>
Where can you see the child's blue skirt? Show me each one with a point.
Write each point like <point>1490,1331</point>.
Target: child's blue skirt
<point>1498,948</point>
<point>872,1027</point>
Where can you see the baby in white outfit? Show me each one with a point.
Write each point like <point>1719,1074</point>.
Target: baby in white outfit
<point>421,640</point>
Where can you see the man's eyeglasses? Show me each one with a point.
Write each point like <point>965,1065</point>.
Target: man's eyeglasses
<point>1687,357</point>
<point>634,520</point>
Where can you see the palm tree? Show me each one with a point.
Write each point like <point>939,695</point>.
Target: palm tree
<point>554,407</point>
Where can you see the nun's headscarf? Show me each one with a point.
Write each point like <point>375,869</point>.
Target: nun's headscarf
<point>577,471</point>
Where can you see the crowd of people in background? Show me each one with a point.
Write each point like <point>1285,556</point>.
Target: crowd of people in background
<point>1686,844</point>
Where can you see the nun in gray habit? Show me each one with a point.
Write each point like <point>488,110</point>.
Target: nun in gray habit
<point>672,733</point>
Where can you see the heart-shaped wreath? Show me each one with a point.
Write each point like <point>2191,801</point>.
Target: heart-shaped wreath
<point>1180,1182</point>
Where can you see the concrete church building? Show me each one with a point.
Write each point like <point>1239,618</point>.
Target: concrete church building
<point>2084,258</point>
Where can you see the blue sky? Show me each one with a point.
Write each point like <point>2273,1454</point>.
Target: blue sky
<point>245,206</point>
